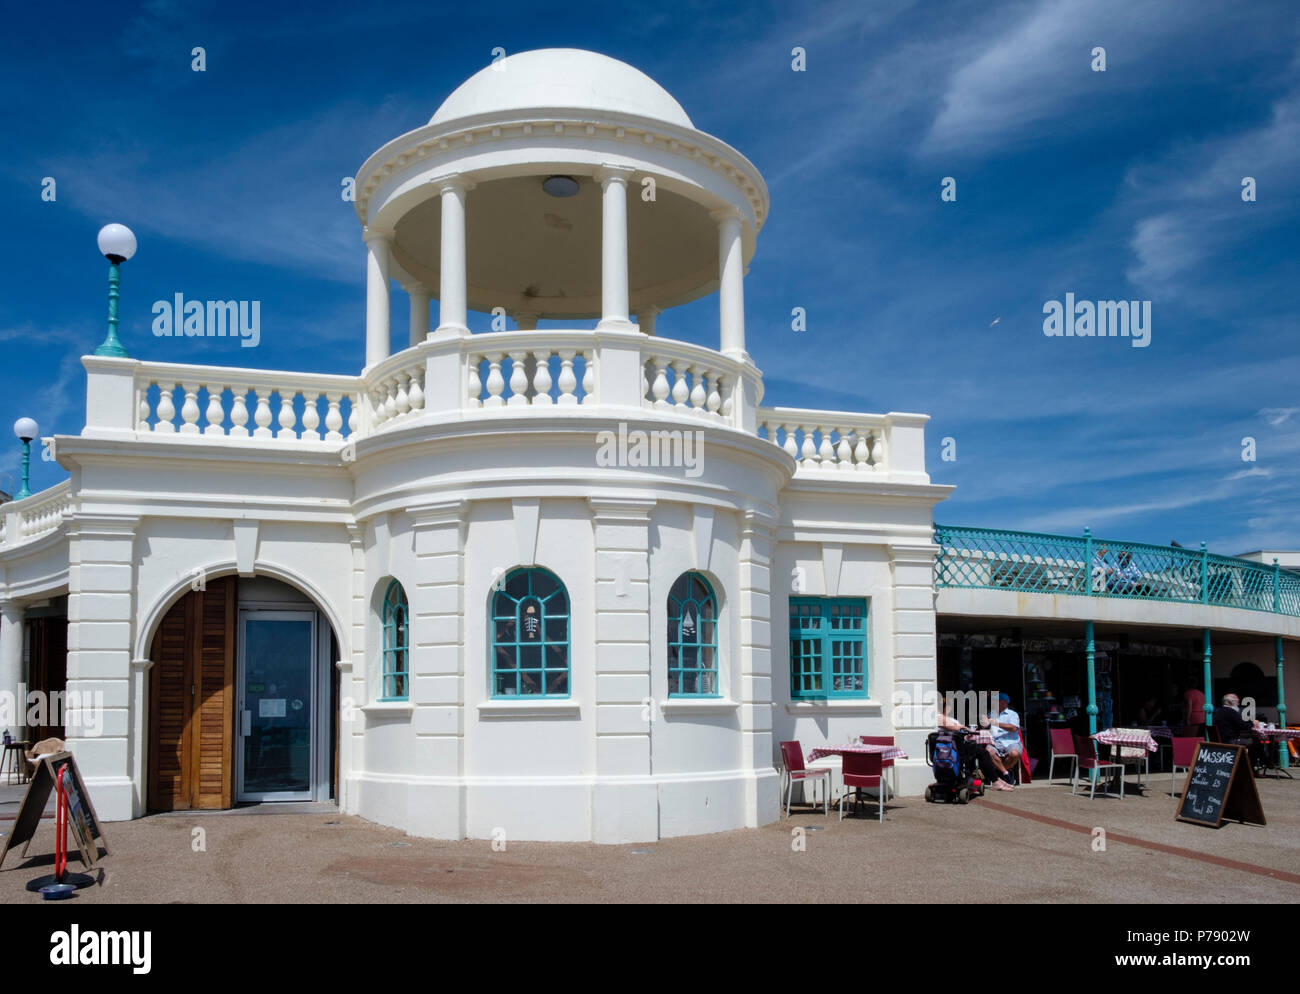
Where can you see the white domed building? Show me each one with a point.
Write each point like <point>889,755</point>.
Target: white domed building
<point>538,582</point>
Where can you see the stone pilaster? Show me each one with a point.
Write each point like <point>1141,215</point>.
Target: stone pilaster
<point>437,603</point>
<point>102,682</point>
<point>762,788</point>
<point>626,811</point>
<point>915,657</point>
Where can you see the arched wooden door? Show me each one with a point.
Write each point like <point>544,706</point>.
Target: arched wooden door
<point>192,701</point>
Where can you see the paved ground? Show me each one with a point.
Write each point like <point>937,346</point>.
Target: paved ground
<point>1034,844</point>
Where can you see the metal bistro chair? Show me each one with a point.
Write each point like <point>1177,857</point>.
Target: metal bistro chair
<point>1140,758</point>
<point>795,770</point>
<point>863,769</point>
<point>1184,753</point>
<point>885,764</point>
<point>1086,749</point>
<point>1062,742</point>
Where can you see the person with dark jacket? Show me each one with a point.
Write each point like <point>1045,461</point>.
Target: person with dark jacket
<point>1235,729</point>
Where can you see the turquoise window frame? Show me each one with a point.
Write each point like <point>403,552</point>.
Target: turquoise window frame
<point>680,607</point>
<point>510,607</point>
<point>825,652</point>
<point>395,666</point>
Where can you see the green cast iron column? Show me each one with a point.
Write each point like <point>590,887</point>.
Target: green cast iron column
<point>1284,753</point>
<point>1209,684</point>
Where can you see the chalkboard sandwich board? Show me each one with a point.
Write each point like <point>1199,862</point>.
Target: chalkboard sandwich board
<point>82,821</point>
<point>1220,785</point>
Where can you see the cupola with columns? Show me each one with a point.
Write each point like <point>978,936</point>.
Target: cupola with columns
<point>557,184</point>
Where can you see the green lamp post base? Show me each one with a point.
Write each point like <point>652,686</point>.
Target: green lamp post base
<point>111,345</point>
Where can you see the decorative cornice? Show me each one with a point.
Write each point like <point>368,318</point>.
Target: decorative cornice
<point>739,172</point>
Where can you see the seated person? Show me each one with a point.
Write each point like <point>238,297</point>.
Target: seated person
<point>1101,569</point>
<point>1235,729</point>
<point>1005,749</point>
<point>1127,575</point>
<point>988,770</point>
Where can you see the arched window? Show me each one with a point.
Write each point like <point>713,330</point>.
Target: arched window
<point>530,635</point>
<point>692,638</point>
<point>397,643</point>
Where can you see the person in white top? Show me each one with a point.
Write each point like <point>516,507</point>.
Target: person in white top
<point>1005,749</point>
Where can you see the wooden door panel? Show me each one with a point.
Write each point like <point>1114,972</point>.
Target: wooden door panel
<point>192,701</point>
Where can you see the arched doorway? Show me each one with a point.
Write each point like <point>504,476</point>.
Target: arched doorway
<point>243,698</point>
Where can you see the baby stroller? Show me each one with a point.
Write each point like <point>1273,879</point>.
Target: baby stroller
<point>956,774</point>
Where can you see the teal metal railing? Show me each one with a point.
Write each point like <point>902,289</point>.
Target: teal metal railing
<point>992,559</point>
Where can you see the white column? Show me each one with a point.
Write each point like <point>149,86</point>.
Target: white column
<point>377,302</point>
<point>11,666</point>
<point>613,247</point>
<point>453,309</point>
<point>419,297</point>
<point>731,283</point>
<point>645,319</point>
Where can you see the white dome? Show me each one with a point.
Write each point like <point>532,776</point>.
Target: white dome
<point>561,77</point>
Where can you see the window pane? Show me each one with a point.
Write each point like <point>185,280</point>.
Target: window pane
<point>517,585</point>
<point>543,583</point>
<point>557,629</point>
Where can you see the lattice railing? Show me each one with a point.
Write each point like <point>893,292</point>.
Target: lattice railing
<point>1061,564</point>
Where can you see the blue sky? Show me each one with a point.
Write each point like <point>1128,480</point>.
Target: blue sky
<point>1123,184</point>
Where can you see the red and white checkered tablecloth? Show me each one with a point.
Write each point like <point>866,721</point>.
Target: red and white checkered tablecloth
<point>886,752</point>
<point>1136,738</point>
<point>1279,733</point>
<point>980,737</point>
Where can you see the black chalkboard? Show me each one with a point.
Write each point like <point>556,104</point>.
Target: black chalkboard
<point>83,824</point>
<point>1220,785</point>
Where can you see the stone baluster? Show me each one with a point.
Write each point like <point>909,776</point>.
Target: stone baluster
<point>826,451</point>
<point>660,388</point>
<point>262,416</point>
<point>473,384</point>
<point>333,418</point>
<point>215,415</point>
<point>681,392</point>
<point>496,384</point>
<point>288,418</point>
<point>878,452</point>
<point>415,394</point>
<point>311,418</point>
<point>190,409</point>
<point>862,451</point>
<point>166,409</point>
<point>518,381</point>
<point>588,377</point>
<point>238,412</point>
<point>568,381</point>
<point>791,445</point>
<point>808,454</point>
<point>145,410</point>
<point>542,379</point>
<point>728,391</point>
<point>401,398</point>
<point>354,414</point>
<point>699,395</point>
<point>714,403</point>
<point>844,451</point>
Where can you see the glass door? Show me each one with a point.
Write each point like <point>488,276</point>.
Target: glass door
<point>275,715</point>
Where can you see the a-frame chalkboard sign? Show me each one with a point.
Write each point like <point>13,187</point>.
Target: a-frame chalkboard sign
<point>82,822</point>
<point>1220,785</point>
